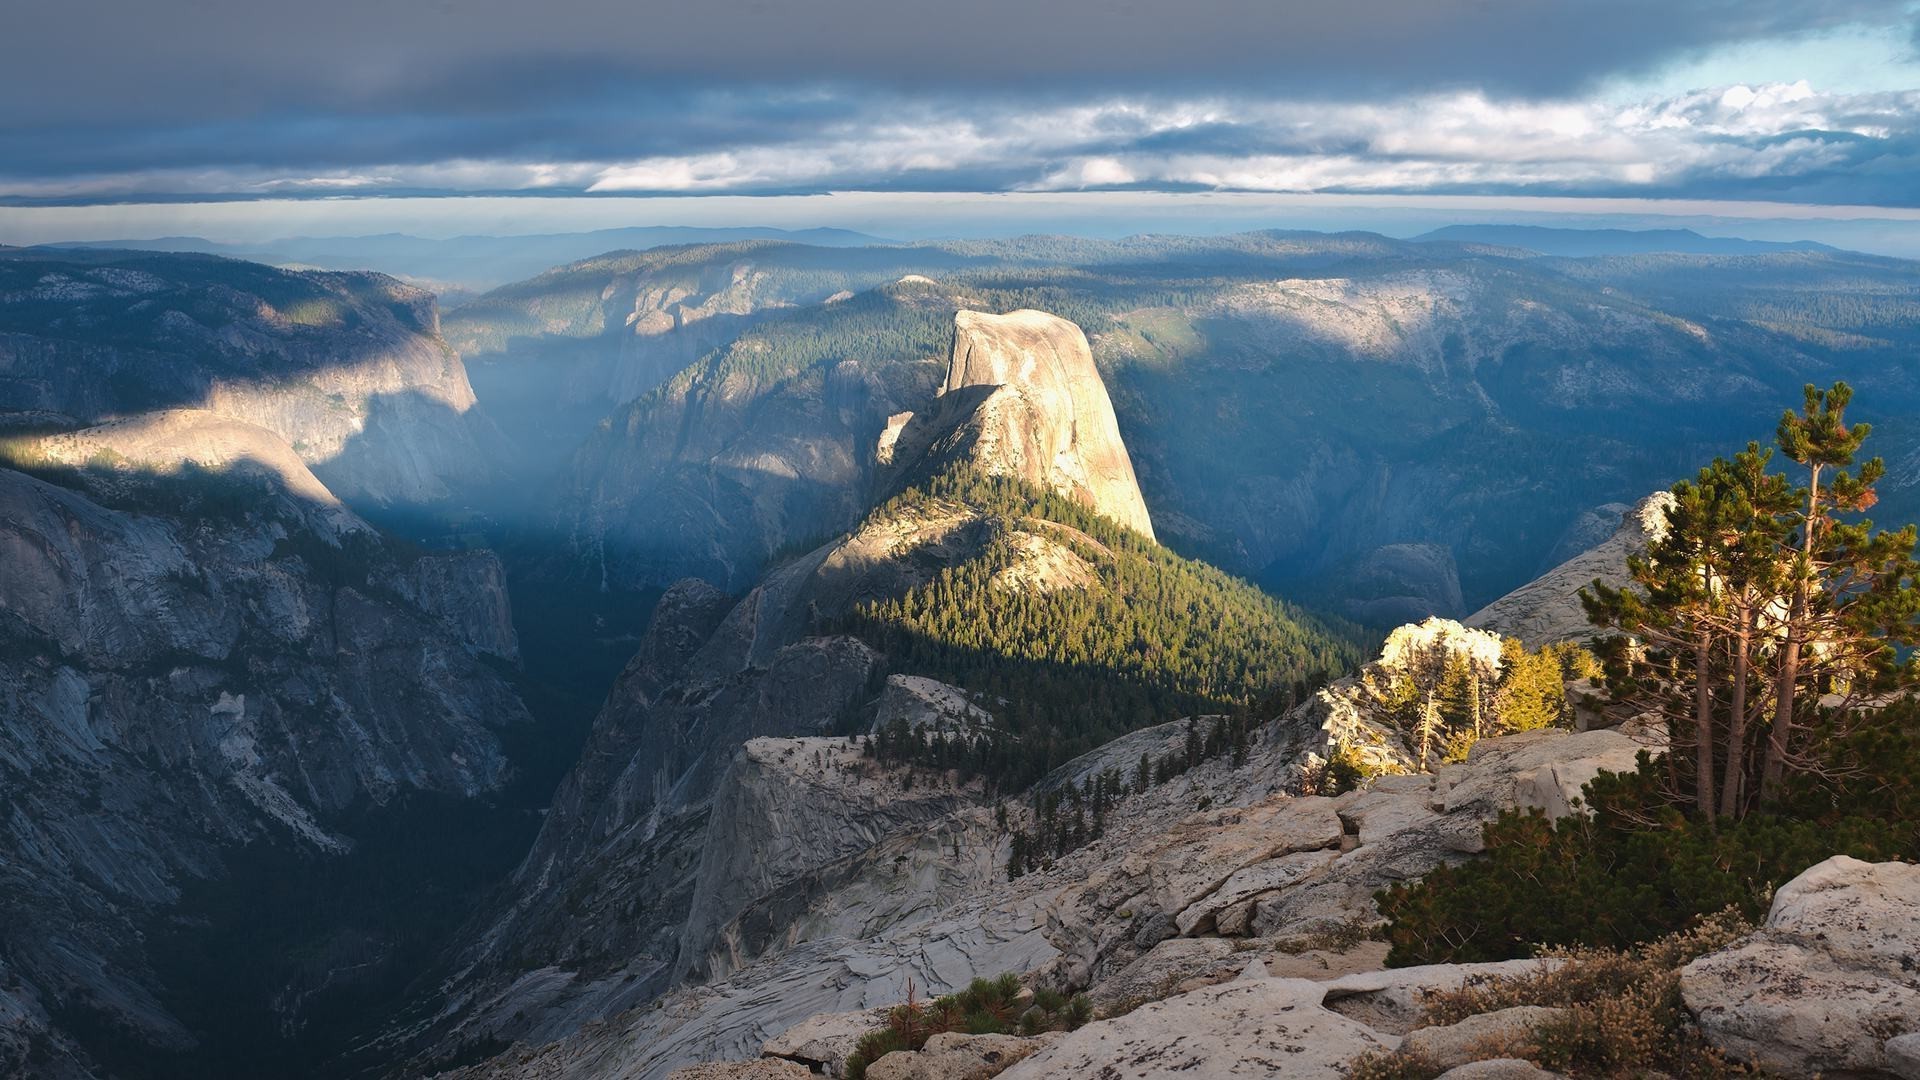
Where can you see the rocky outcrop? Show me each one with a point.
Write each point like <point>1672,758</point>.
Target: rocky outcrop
<point>823,1043</point>
<point>347,369</point>
<point>186,680</point>
<point>652,870</point>
<point>953,1055</point>
<point>728,463</point>
<point>1498,1069</point>
<point>1547,609</point>
<point>1827,982</point>
<point>1169,901</point>
<point>1022,398</point>
<point>793,809</point>
<point>1292,867</point>
<point>1395,1000</point>
<point>602,902</point>
<point>734,459</point>
<point>927,704</point>
<point>1270,1025</point>
<point>1487,1035</point>
<point>1903,1056</point>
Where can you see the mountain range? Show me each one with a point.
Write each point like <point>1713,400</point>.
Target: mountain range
<point>613,672</point>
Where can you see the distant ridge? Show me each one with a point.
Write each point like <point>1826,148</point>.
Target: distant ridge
<point>1583,243</point>
<point>474,263</point>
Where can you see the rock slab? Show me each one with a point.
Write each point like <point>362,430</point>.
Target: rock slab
<point>1043,414</point>
<point>1246,1028</point>
<point>1831,977</point>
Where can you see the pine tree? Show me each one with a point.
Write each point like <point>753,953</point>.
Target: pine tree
<point>1760,597</point>
<point>1532,690</point>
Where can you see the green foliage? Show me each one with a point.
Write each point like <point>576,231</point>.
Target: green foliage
<point>1768,610</point>
<point>1769,631</point>
<point>1443,687</point>
<point>1344,769</point>
<point>1533,685</point>
<point>1069,816</point>
<point>985,1007</point>
<point>1640,867</point>
<point>1156,638</point>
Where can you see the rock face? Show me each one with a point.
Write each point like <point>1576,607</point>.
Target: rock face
<point>1827,982</point>
<point>734,458</point>
<point>348,369</point>
<point>1251,1027</point>
<point>953,1055</point>
<point>672,853</point>
<point>727,463</point>
<point>1547,609</point>
<point>824,1043</point>
<point>794,809</point>
<point>1903,1056</point>
<point>1504,1030</point>
<point>1031,405</point>
<point>925,704</point>
<point>655,862</point>
<point>1403,583</point>
<point>1169,901</point>
<point>181,676</point>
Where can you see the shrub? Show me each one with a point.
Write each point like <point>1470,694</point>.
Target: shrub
<point>1621,1016</point>
<point>1639,868</point>
<point>1344,769</point>
<point>985,1007</point>
<point>1374,1065</point>
<point>1587,975</point>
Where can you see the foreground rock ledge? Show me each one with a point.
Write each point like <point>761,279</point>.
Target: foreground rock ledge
<point>1828,982</point>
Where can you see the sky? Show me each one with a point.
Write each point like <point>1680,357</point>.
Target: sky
<point>125,118</point>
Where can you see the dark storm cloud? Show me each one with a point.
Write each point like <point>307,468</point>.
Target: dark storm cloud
<point>115,98</point>
<point>73,60</point>
<point>639,123</point>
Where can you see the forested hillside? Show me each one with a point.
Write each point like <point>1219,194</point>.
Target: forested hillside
<point>1126,635</point>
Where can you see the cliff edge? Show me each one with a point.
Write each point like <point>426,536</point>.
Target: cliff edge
<point>1035,408</point>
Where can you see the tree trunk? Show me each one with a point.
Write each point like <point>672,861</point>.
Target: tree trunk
<point>1703,727</point>
<point>1733,781</point>
<point>1784,693</point>
<point>1788,683</point>
<point>1428,721</point>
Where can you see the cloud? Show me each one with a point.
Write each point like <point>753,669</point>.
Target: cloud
<point>105,99</point>
<point>1782,141</point>
<point>198,58</point>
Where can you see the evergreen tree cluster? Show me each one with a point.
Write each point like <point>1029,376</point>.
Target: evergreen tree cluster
<point>1642,865</point>
<point>1444,686</point>
<point>1072,816</point>
<point>1770,631</point>
<point>1769,612</point>
<point>1155,638</point>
